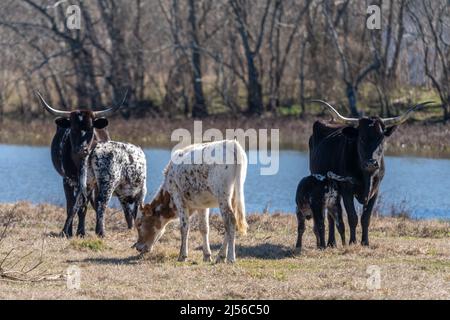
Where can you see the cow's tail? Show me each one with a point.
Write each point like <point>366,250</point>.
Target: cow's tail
<point>238,197</point>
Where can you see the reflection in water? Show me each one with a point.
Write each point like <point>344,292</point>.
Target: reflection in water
<point>417,184</point>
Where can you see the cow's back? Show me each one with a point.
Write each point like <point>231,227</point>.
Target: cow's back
<point>206,178</point>
<point>122,161</point>
<point>330,150</point>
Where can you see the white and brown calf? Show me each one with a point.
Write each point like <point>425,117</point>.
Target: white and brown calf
<point>195,187</point>
<point>113,168</point>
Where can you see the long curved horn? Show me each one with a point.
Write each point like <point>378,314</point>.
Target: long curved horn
<point>395,121</point>
<point>110,111</point>
<point>55,112</point>
<point>336,116</point>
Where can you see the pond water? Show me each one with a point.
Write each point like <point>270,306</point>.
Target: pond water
<point>419,185</point>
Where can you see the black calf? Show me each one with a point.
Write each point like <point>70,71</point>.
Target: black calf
<point>317,195</point>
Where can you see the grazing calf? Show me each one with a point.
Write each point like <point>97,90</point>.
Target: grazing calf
<point>188,188</point>
<point>316,197</point>
<point>114,168</point>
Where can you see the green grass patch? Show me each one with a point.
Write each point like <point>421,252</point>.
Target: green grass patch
<point>89,244</point>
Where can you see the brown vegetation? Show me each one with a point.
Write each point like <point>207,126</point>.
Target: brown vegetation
<point>199,57</point>
<point>415,138</point>
<point>413,257</point>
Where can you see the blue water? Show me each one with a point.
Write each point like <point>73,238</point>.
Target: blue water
<point>419,185</point>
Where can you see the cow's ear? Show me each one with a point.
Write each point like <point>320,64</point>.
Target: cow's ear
<point>350,133</point>
<point>147,210</point>
<point>100,123</point>
<point>62,122</point>
<point>389,131</point>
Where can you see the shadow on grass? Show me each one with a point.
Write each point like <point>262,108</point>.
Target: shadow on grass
<point>267,251</point>
<point>131,260</point>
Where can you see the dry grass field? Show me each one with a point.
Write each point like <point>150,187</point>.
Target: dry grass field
<point>413,258</point>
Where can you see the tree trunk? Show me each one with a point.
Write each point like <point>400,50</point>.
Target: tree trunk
<point>351,96</point>
<point>446,107</point>
<point>254,98</point>
<point>199,109</point>
<point>302,76</point>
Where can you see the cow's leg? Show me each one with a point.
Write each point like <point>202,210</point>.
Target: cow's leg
<point>331,232</point>
<point>227,215</point>
<point>340,222</point>
<point>365,220</point>
<point>319,223</point>
<point>81,232</point>
<point>300,232</point>
<point>223,249</point>
<point>183,214</point>
<point>351,215</point>
<point>316,234</point>
<point>203,216</point>
<point>69,192</point>
<point>103,197</point>
<point>184,228</point>
<point>230,228</point>
<point>139,201</point>
<point>127,210</point>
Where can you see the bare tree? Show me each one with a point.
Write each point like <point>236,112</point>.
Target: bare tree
<point>203,57</point>
<point>280,51</point>
<point>433,22</point>
<point>241,12</point>
<point>388,52</point>
<point>199,108</point>
<point>352,77</point>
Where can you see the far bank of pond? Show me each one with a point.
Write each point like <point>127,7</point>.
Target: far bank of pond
<point>422,139</point>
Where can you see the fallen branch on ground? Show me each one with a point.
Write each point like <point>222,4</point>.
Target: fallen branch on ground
<point>23,267</point>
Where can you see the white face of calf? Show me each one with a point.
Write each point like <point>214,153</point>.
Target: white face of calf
<point>151,222</point>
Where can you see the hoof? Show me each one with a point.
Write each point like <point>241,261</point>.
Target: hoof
<point>297,251</point>
<point>100,234</point>
<point>207,258</point>
<point>365,243</point>
<point>64,234</point>
<point>220,259</point>
<point>182,259</point>
<point>331,244</point>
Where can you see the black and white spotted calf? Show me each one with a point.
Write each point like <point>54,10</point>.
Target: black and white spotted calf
<point>317,197</point>
<point>114,168</point>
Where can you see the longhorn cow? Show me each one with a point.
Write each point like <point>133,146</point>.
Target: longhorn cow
<point>77,133</point>
<point>354,148</point>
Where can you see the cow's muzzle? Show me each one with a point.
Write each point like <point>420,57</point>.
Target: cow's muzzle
<point>141,247</point>
<point>371,165</point>
<point>83,152</point>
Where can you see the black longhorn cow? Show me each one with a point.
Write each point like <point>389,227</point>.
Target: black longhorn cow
<point>354,148</point>
<point>76,135</point>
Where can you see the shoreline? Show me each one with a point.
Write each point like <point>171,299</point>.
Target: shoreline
<point>414,139</point>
